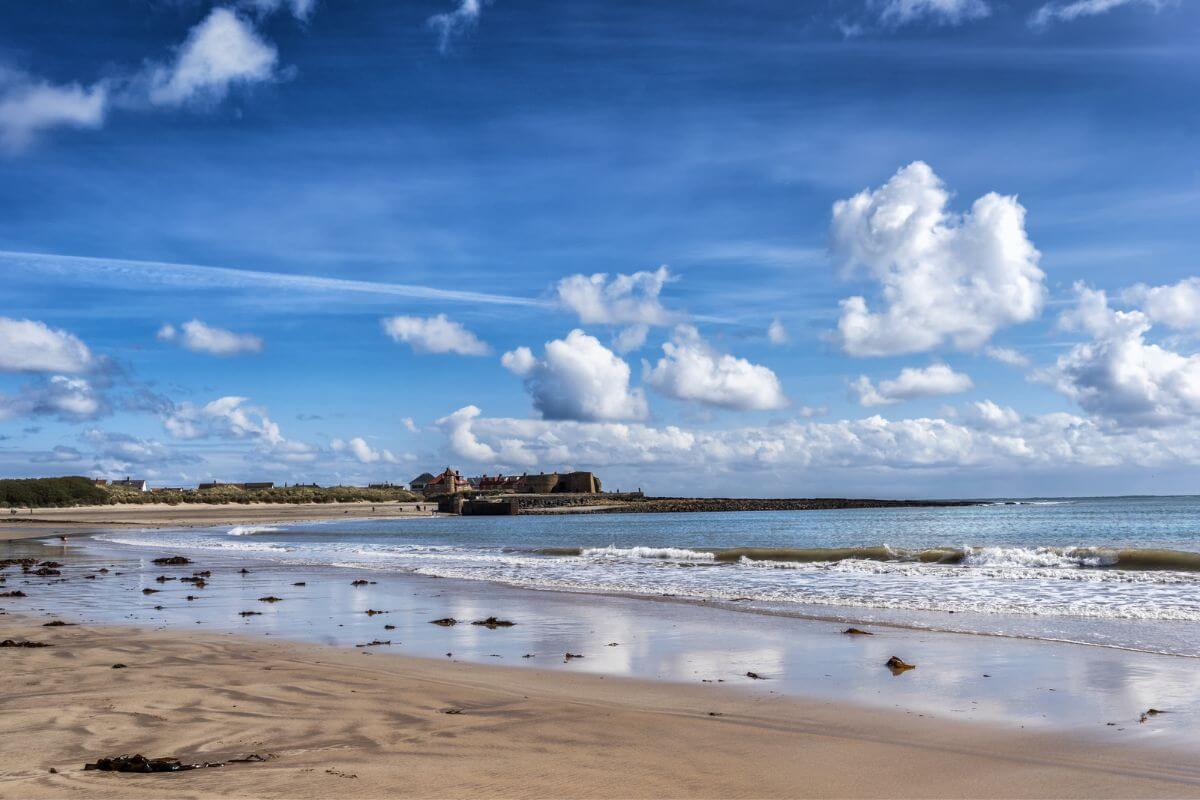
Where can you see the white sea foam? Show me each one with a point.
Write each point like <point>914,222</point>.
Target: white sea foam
<point>1074,557</point>
<point>250,530</point>
<point>667,553</point>
<point>1082,583</point>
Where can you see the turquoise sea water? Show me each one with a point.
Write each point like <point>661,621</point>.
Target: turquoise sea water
<point>1121,572</point>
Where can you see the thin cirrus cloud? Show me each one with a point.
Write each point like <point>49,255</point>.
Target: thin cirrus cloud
<point>301,9</point>
<point>450,25</point>
<point>83,270</point>
<point>1051,13</point>
<point>945,279</point>
<point>910,384</point>
<point>200,337</point>
<point>895,13</point>
<point>435,335</point>
<point>691,370</point>
<point>776,332</point>
<point>1007,355</point>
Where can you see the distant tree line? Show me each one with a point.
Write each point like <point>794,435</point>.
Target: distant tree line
<point>79,491</point>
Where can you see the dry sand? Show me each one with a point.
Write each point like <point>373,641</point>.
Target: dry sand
<point>87,519</point>
<point>343,723</point>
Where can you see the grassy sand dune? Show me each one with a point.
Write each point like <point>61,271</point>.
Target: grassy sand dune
<point>86,519</point>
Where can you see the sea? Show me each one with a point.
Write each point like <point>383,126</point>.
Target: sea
<point>1120,572</point>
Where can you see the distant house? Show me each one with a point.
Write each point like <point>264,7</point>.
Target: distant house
<point>100,481</point>
<point>497,483</point>
<point>257,486</point>
<point>449,482</point>
<point>419,483</point>
<point>130,483</point>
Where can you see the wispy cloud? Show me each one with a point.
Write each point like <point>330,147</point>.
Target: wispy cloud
<point>1069,12</point>
<point>452,24</point>
<point>200,337</point>
<point>29,105</point>
<point>894,13</point>
<point>222,51</point>
<point>155,275</point>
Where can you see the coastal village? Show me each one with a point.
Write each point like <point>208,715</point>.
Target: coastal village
<point>448,482</point>
<point>452,492</point>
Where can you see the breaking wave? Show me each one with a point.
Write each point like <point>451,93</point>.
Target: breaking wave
<point>250,530</point>
<point>1033,557</point>
<point>667,553</point>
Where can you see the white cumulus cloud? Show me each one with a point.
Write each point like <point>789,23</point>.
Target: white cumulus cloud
<point>578,378</point>
<point>234,418</point>
<point>994,438</point>
<point>691,369</point>
<point>121,451</point>
<point>463,443</point>
<point>199,337</point>
<point>910,384</point>
<point>363,452</point>
<point>989,415</point>
<point>434,335</point>
<point>221,51</point>
<point>226,417</point>
<point>944,278</point>
<point>30,346</point>
<point>61,396</point>
<point>627,300</point>
<point>1176,305</point>
<point>1120,375</point>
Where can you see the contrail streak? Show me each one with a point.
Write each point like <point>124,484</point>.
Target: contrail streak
<point>132,274</point>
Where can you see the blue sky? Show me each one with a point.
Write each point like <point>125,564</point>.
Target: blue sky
<point>304,240</point>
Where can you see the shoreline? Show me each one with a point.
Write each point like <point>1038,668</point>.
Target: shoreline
<point>31,523</point>
<point>1046,719</point>
<point>84,520</point>
<point>326,714</point>
<point>1030,682</point>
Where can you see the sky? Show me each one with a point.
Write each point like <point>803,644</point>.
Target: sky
<point>891,248</point>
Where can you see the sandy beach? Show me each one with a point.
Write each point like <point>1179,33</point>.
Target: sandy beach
<point>394,706</point>
<point>78,520</point>
<point>357,723</point>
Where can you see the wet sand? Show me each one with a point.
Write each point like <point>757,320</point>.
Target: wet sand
<point>80,520</point>
<point>342,722</point>
<point>979,717</point>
